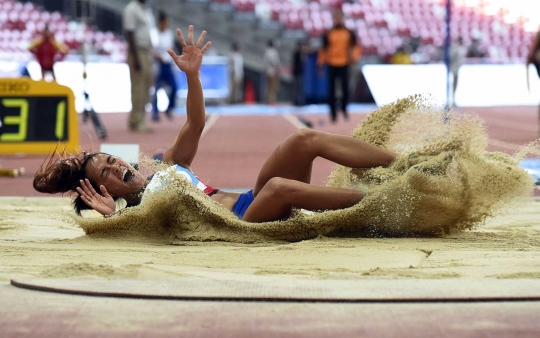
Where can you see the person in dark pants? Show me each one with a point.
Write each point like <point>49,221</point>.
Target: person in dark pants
<point>236,73</point>
<point>165,75</point>
<point>339,51</point>
<point>299,58</point>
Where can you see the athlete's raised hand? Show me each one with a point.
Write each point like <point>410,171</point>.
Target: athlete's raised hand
<point>102,203</point>
<point>191,59</point>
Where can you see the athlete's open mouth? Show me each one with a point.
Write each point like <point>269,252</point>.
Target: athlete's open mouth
<point>128,176</point>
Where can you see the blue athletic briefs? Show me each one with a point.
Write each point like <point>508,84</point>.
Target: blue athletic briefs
<point>243,203</point>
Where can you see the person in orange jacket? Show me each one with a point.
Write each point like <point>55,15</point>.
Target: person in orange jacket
<point>47,51</point>
<point>339,51</point>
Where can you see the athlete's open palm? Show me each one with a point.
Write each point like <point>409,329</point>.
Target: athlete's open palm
<point>191,59</point>
<point>102,203</point>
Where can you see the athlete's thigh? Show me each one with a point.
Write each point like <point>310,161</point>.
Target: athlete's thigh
<point>259,208</point>
<point>266,207</point>
<point>286,162</point>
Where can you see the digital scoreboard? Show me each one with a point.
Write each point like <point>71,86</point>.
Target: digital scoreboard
<point>36,117</point>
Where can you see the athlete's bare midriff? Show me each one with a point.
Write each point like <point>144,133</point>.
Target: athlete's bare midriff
<point>227,199</point>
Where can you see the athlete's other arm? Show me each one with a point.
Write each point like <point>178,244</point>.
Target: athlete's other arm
<point>184,149</point>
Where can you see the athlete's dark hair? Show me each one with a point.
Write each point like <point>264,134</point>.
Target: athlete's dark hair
<point>62,173</point>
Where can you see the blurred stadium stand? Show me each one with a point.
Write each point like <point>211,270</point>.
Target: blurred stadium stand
<point>20,23</point>
<point>505,28</point>
<point>381,25</point>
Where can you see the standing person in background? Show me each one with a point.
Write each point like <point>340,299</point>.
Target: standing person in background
<point>475,49</point>
<point>299,58</point>
<point>138,20</point>
<point>272,67</point>
<point>457,59</point>
<point>165,75</point>
<point>534,54</point>
<point>47,51</point>
<point>236,71</point>
<point>534,58</point>
<point>339,51</point>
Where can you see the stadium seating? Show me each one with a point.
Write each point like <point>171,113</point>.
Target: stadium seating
<point>20,23</point>
<point>382,25</point>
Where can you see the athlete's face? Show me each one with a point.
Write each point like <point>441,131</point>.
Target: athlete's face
<point>118,176</point>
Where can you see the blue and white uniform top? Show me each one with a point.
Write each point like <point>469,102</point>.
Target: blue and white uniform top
<point>161,178</point>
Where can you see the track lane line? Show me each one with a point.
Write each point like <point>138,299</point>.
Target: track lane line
<point>210,123</point>
<point>294,121</point>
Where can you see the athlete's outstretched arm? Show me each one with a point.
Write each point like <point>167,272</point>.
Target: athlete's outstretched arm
<point>184,149</point>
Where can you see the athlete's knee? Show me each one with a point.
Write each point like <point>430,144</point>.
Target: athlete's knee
<point>279,187</point>
<point>305,139</point>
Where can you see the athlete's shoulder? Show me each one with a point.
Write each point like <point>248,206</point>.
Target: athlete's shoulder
<point>179,167</point>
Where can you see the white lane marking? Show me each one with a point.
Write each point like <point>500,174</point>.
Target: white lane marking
<point>211,121</point>
<point>294,121</point>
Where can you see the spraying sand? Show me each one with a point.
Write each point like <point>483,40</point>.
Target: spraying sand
<point>443,181</point>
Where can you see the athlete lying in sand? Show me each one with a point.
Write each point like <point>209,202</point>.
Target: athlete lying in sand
<point>282,184</point>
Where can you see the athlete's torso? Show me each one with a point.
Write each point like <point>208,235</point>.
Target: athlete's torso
<point>227,199</point>
<point>160,178</point>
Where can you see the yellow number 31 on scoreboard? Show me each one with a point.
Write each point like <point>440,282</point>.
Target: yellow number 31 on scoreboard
<point>36,117</point>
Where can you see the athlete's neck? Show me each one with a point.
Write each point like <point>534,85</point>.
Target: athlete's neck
<point>135,198</point>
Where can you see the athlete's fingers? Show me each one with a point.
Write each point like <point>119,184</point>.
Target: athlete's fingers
<point>84,188</point>
<point>85,197</point>
<point>172,54</point>
<point>90,187</point>
<point>87,201</point>
<point>81,192</point>
<point>201,39</point>
<point>104,191</point>
<point>181,37</point>
<point>208,44</point>
<point>190,35</point>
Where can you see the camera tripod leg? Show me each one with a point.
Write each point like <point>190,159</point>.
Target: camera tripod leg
<point>100,129</point>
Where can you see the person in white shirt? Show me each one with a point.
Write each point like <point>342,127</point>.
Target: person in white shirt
<point>166,75</point>
<point>272,67</point>
<point>457,59</point>
<point>236,67</point>
<point>137,22</point>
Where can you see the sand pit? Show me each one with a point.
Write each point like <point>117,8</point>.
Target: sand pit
<point>444,184</point>
<point>33,244</point>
